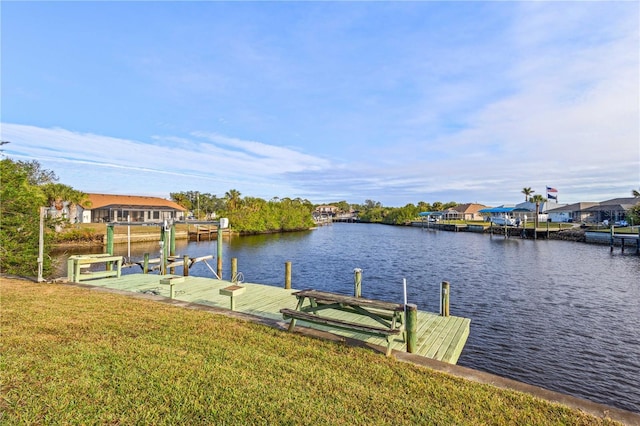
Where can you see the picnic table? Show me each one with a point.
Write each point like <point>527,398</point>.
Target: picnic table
<point>78,262</point>
<point>388,317</point>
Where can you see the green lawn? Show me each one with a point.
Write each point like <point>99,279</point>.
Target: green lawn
<point>77,356</point>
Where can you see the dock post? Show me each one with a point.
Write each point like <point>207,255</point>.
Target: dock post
<point>287,275</point>
<point>611,231</point>
<point>185,265</point>
<point>145,264</point>
<point>110,237</point>
<point>411,318</point>
<point>357,282</point>
<point>172,247</point>
<point>234,269</point>
<point>219,246</point>
<point>70,269</point>
<point>444,299</point>
<point>164,247</point>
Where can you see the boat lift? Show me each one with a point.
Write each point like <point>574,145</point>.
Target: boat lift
<point>168,257</point>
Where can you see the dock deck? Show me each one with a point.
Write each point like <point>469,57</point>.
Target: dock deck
<point>440,338</point>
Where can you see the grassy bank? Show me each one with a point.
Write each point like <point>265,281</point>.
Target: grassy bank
<point>72,355</point>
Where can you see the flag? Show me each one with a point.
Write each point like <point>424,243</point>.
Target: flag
<point>550,189</point>
<point>552,197</point>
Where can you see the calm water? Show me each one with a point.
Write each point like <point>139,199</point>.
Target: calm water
<point>561,315</point>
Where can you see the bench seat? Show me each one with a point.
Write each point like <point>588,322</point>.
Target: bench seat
<point>345,325</point>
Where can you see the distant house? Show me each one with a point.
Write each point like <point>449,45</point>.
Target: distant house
<point>577,212</point>
<point>612,210</point>
<point>330,210</point>
<point>469,211</point>
<point>123,208</point>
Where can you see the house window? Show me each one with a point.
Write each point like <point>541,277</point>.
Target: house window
<point>156,214</point>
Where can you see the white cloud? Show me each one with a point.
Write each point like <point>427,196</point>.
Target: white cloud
<point>190,161</point>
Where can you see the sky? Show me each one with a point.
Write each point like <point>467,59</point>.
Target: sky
<point>395,102</point>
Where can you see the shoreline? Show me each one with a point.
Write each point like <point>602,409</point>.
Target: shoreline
<point>574,234</point>
<point>598,410</point>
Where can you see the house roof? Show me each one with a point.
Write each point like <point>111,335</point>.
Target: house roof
<point>617,204</point>
<point>576,207</point>
<point>469,208</point>
<point>108,200</point>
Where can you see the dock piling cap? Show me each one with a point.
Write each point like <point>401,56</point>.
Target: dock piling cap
<point>232,290</point>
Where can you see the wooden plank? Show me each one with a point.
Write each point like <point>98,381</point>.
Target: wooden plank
<point>97,274</point>
<point>303,316</point>
<point>88,260</point>
<point>453,352</point>
<point>322,296</point>
<point>437,336</point>
<point>444,339</point>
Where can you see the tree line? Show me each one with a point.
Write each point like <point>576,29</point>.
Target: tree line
<point>249,214</point>
<point>26,188</point>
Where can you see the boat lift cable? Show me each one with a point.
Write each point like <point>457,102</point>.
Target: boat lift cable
<point>211,269</point>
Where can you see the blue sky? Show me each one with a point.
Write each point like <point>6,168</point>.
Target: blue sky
<point>392,102</point>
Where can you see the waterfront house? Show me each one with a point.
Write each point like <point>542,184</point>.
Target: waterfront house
<point>326,210</point>
<point>123,208</point>
<point>469,211</point>
<point>576,212</point>
<point>611,210</point>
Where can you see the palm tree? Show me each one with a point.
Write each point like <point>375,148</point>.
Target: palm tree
<point>538,199</point>
<point>527,192</point>
<point>58,194</point>
<point>635,193</point>
<point>233,198</point>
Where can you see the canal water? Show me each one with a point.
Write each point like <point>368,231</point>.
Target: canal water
<point>561,315</point>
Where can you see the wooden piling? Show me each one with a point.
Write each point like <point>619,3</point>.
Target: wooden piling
<point>611,239</point>
<point>110,232</point>
<point>145,264</point>
<point>547,229</point>
<point>185,265</point>
<point>234,269</point>
<point>287,275</point>
<point>444,299</point>
<point>172,247</point>
<point>357,282</point>
<point>411,318</point>
<point>219,246</point>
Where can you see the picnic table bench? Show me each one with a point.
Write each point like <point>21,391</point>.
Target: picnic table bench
<point>78,262</point>
<point>389,316</point>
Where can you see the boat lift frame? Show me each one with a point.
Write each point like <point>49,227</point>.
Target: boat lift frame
<point>168,238</point>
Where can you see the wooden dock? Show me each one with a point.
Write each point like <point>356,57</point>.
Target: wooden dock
<point>438,337</point>
<point>199,233</point>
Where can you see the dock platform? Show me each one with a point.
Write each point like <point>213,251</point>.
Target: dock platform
<point>438,337</point>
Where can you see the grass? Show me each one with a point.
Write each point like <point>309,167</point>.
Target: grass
<point>77,356</point>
